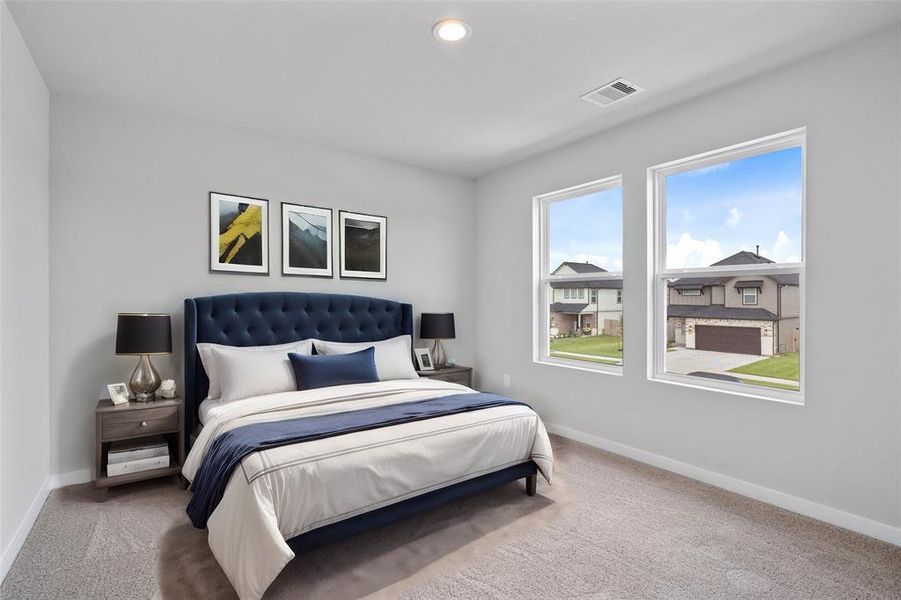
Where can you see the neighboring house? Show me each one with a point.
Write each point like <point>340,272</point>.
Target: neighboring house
<point>585,307</point>
<point>752,314</point>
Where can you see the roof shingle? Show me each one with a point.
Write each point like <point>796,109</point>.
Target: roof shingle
<point>581,268</point>
<point>567,308</point>
<point>717,311</point>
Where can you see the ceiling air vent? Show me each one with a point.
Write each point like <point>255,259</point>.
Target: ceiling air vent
<point>612,92</point>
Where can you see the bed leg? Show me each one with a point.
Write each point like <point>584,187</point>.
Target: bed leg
<point>531,484</point>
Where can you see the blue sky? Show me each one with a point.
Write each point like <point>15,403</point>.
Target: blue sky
<point>716,211</point>
<point>587,228</point>
<point>711,213</point>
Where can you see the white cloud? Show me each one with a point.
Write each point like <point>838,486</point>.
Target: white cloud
<point>710,169</point>
<point>784,250</point>
<point>689,252</point>
<point>734,216</point>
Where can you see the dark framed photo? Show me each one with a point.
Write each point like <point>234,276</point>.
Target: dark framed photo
<point>306,240</point>
<point>239,234</point>
<point>364,245</point>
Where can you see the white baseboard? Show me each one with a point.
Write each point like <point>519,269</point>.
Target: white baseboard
<point>834,516</point>
<point>51,483</point>
<point>71,478</point>
<point>18,540</point>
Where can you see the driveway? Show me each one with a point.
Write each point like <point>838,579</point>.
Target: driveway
<point>685,361</point>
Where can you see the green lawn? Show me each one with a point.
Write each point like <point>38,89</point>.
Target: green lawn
<point>782,366</point>
<point>596,345</point>
<point>772,384</point>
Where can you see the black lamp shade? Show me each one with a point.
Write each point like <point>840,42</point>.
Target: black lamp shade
<point>141,333</point>
<point>437,326</point>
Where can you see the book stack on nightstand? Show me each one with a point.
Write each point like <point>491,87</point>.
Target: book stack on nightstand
<point>135,456</point>
<point>138,441</point>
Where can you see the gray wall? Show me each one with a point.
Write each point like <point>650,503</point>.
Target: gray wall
<point>24,284</point>
<point>129,232</point>
<point>841,449</point>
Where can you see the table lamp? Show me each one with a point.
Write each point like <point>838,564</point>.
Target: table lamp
<point>437,326</point>
<point>143,334</point>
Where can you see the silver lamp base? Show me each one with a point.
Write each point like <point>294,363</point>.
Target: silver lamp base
<point>145,380</point>
<point>439,359</point>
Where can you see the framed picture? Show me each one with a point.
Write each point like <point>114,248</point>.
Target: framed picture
<point>424,359</point>
<point>364,244</point>
<point>239,234</point>
<point>306,240</point>
<point>118,393</point>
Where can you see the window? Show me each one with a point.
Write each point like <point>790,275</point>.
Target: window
<point>749,296</point>
<point>730,221</point>
<point>619,296</point>
<point>578,244</point>
<point>566,294</point>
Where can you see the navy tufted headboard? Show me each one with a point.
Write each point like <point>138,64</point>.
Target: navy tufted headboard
<point>267,318</point>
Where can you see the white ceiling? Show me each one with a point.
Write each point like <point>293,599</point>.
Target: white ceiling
<point>369,77</point>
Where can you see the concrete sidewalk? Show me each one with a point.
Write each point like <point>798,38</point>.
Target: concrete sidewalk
<point>684,361</point>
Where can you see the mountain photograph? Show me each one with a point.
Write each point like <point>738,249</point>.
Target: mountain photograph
<point>307,241</point>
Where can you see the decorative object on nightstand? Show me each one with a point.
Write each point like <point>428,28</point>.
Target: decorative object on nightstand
<point>118,393</point>
<point>147,436</point>
<point>143,334</point>
<point>461,375</point>
<point>423,359</point>
<point>437,326</point>
<point>167,388</point>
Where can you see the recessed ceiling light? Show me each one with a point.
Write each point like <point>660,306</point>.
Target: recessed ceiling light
<point>451,30</point>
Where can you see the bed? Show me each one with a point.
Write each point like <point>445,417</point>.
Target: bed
<point>302,495</point>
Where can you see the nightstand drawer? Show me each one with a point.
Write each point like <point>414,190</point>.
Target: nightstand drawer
<point>461,378</point>
<point>135,423</point>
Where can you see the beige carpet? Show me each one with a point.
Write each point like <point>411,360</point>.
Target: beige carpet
<point>608,528</point>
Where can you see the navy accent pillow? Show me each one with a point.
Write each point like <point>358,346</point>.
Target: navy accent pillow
<point>326,370</point>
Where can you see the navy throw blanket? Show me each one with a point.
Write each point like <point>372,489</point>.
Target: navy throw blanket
<point>230,447</point>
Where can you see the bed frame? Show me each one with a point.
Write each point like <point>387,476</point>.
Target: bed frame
<point>268,318</point>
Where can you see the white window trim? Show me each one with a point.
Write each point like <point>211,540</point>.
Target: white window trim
<point>756,296</point>
<point>658,273</point>
<point>541,277</point>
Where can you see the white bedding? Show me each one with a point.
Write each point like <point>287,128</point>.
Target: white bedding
<point>206,409</point>
<point>280,493</point>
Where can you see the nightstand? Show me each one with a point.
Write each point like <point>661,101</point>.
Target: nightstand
<point>462,375</point>
<point>160,418</point>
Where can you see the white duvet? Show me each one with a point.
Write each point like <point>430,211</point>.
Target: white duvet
<point>280,493</point>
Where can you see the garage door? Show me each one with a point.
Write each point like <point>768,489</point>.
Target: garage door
<point>741,340</point>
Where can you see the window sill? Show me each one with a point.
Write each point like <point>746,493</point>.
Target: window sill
<point>580,365</point>
<point>733,389</point>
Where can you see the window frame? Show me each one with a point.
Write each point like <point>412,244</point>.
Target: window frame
<point>542,278</point>
<point>658,274</point>
<point>756,296</point>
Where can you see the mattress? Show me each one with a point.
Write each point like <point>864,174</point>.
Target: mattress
<point>279,493</point>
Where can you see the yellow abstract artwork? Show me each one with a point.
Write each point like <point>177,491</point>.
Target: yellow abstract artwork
<point>244,227</point>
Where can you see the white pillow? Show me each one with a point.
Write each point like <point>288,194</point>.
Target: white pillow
<point>213,372</point>
<point>393,358</point>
